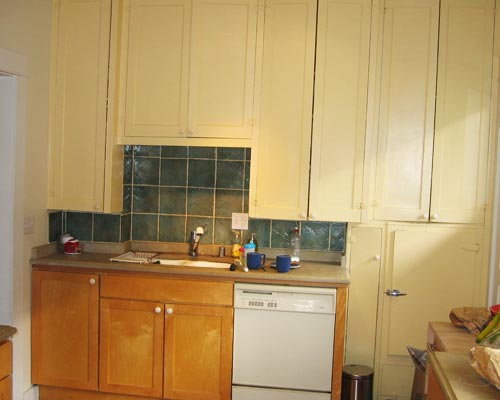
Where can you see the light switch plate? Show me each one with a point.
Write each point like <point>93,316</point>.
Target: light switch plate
<point>239,221</point>
<point>29,225</point>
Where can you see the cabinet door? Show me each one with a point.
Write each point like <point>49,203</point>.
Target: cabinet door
<point>131,347</point>
<point>281,153</point>
<point>80,53</point>
<point>462,111</point>
<point>6,388</point>
<point>65,316</point>
<point>198,352</point>
<point>341,86</point>
<point>222,70</point>
<point>406,114</point>
<point>155,46</point>
<point>438,268</point>
<point>364,272</point>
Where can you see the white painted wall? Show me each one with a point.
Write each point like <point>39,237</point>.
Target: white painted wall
<point>25,31</point>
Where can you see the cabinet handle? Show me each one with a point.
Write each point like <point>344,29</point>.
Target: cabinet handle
<point>424,216</point>
<point>92,281</point>
<point>312,216</point>
<point>302,215</point>
<point>434,217</point>
<point>394,293</point>
<point>190,132</point>
<point>181,132</point>
<point>169,310</point>
<point>376,257</point>
<point>157,310</point>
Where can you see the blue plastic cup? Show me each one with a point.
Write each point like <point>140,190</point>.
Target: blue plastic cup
<point>283,263</point>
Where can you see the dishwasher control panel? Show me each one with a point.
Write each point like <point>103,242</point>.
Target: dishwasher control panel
<point>285,298</point>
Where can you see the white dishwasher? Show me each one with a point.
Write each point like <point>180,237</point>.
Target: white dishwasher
<point>283,342</point>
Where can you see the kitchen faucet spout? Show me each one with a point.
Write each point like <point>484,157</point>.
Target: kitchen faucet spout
<point>194,241</point>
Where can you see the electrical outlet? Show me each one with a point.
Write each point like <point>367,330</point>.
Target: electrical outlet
<point>239,221</point>
<point>29,225</point>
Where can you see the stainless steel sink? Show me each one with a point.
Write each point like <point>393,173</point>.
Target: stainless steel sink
<point>191,263</point>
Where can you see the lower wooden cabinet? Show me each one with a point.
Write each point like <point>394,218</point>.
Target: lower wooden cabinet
<point>6,370</point>
<point>178,346</point>
<point>65,317</point>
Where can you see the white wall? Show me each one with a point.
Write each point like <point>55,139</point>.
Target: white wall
<point>25,30</point>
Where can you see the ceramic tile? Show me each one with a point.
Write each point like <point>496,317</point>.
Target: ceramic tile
<point>246,182</point>
<point>173,200</point>
<point>223,233</point>
<point>315,235</point>
<point>248,154</point>
<point>127,170</point>
<point>201,173</point>
<point>337,236</point>
<point>147,151</point>
<point>145,199</point>
<point>202,152</point>
<point>127,198</point>
<point>245,201</point>
<point>230,174</point>
<point>261,228</point>
<point>172,228</point>
<point>55,226</point>
<point>174,152</point>
<point>280,233</point>
<point>145,227</point>
<point>227,202</point>
<point>128,150</point>
<point>146,171</point>
<point>125,228</point>
<point>173,172</point>
<point>230,153</point>
<point>208,223</point>
<point>200,202</point>
<point>79,225</point>
<point>107,228</point>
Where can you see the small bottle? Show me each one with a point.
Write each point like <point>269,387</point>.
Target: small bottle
<point>243,258</point>
<point>295,246</point>
<point>235,252</point>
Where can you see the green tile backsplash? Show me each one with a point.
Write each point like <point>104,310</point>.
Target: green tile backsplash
<point>168,191</point>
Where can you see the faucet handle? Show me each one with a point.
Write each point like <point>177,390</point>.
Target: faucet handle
<point>200,231</point>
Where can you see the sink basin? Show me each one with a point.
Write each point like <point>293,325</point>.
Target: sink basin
<point>191,263</point>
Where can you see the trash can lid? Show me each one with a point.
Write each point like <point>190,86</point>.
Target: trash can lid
<point>355,371</point>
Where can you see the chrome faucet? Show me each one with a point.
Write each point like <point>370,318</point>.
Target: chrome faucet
<point>194,241</point>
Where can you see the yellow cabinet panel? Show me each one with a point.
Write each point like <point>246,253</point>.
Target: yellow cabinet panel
<point>341,81</point>
<point>462,111</point>
<point>80,53</point>
<point>222,68</point>
<point>156,35</point>
<point>406,116</point>
<point>364,273</point>
<point>281,153</point>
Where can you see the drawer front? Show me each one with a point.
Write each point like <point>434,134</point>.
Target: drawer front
<point>167,290</point>
<point>5,359</point>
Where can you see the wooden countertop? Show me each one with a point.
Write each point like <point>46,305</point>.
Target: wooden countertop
<point>458,380</point>
<point>309,273</point>
<point>6,332</point>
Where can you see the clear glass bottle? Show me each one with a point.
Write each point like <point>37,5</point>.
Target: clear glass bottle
<point>295,247</point>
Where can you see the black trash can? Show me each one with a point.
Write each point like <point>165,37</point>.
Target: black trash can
<point>357,382</point>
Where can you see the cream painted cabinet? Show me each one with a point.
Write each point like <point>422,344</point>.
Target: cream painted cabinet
<point>437,268</point>
<point>365,258</point>
<point>83,172</point>
<point>413,155</point>
<point>187,71</point>
<point>340,96</point>
<point>281,154</point>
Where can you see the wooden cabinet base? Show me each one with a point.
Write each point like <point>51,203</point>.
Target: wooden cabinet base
<point>52,393</point>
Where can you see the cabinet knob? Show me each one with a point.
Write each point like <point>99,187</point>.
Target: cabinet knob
<point>302,215</point>
<point>190,132</point>
<point>92,281</point>
<point>157,310</point>
<point>312,216</point>
<point>434,217</point>
<point>376,257</point>
<point>181,132</point>
<point>424,216</point>
<point>169,310</point>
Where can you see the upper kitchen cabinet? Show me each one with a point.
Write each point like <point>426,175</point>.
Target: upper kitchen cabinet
<point>85,165</point>
<point>432,151</point>
<point>340,96</point>
<point>281,153</point>
<point>461,140</point>
<point>187,70</point>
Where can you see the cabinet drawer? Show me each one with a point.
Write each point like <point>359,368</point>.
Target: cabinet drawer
<point>167,290</point>
<point>5,359</point>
